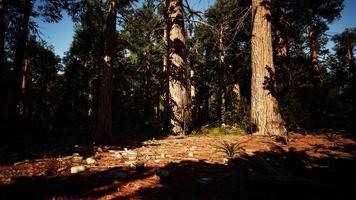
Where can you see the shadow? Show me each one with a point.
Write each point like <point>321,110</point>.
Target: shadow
<point>82,186</point>
<point>265,175</point>
<point>20,147</point>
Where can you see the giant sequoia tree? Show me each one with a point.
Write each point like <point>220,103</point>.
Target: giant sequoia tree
<point>265,116</point>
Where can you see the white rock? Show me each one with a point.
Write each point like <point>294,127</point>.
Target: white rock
<point>99,149</point>
<point>118,156</point>
<point>191,154</point>
<point>90,161</point>
<point>77,169</point>
<point>156,161</point>
<point>132,155</point>
<point>77,158</point>
<point>225,160</point>
<point>131,164</point>
<point>192,148</point>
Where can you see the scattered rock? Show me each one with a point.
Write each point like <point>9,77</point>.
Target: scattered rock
<point>192,148</point>
<point>131,164</point>
<point>62,159</point>
<point>22,162</point>
<point>132,155</point>
<point>156,161</point>
<point>77,169</point>
<point>163,155</point>
<point>118,155</point>
<point>76,154</point>
<point>90,161</point>
<point>77,158</point>
<point>99,149</point>
<point>191,154</point>
<point>225,160</point>
<point>162,173</point>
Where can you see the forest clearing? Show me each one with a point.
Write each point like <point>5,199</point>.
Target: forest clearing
<point>313,166</point>
<point>177,99</point>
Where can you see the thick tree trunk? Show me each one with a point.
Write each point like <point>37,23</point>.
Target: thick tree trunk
<point>104,119</point>
<point>265,116</point>
<point>2,35</point>
<point>21,62</point>
<point>178,85</point>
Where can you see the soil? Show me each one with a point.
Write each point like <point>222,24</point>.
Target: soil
<point>310,166</point>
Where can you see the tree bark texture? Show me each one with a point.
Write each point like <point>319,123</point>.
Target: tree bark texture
<point>180,117</point>
<point>265,115</point>
<point>104,119</point>
<point>221,94</point>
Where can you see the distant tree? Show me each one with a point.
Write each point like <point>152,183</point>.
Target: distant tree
<point>21,59</point>
<point>265,115</point>
<point>345,44</point>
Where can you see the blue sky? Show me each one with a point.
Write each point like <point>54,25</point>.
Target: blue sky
<point>59,35</point>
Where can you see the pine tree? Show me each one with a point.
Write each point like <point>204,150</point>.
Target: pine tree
<point>265,115</point>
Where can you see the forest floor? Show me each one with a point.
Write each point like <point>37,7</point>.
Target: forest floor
<point>311,166</point>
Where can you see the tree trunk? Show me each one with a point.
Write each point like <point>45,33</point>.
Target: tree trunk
<point>315,74</point>
<point>104,120</point>
<point>221,79</point>
<point>20,58</point>
<point>148,108</point>
<point>24,87</point>
<point>265,116</point>
<point>352,69</point>
<point>178,85</point>
<point>166,72</point>
<point>314,54</point>
<point>2,35</point>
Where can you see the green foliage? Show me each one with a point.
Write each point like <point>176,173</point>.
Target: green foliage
<point>229,149</point>
<point>223,130</point>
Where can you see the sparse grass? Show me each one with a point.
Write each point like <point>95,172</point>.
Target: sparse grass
<point>223,130</point>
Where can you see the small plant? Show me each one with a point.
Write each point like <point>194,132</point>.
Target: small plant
<point>331,137</point>
<point>229,149</point>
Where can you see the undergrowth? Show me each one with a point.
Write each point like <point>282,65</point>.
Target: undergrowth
<point>222,130</point>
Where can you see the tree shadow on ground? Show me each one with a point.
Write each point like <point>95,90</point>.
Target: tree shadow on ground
<point>19,147</point>
<point>265,175</point>
<point>88,185</point>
